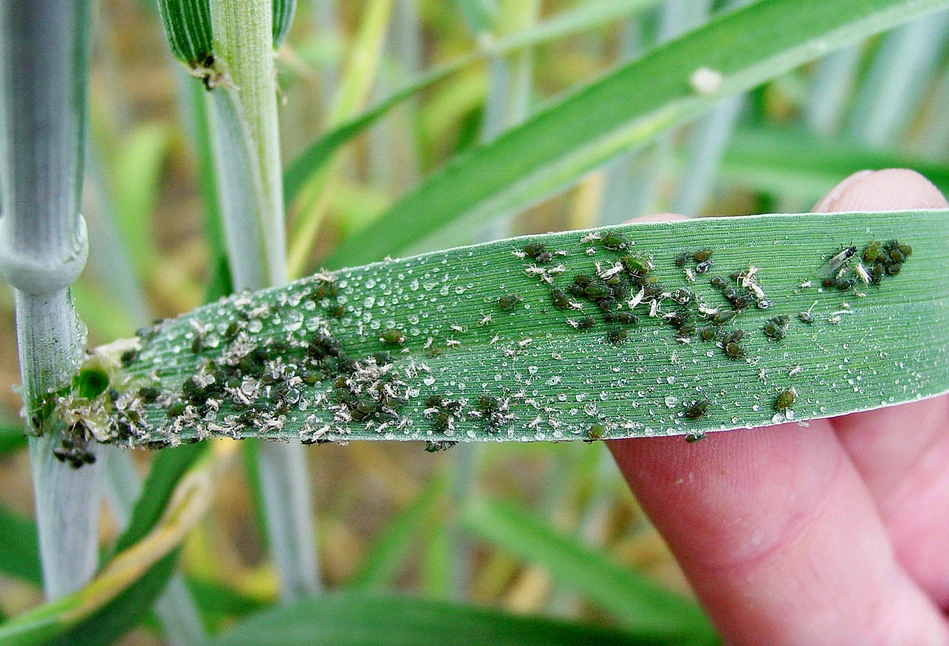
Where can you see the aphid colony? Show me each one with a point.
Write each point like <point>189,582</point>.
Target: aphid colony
<point>879,260</point>
<point>255,381</point>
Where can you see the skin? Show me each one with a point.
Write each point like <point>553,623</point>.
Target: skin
<point>834,533</point>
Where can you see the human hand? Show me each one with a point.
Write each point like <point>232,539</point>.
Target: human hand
<point>831,533</point>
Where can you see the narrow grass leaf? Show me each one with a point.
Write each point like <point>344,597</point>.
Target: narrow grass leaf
<point>394,543</point>
<point>601,335</point>
<point>626,108</point>
<point>588,15</point>
<point>644,606</point>
<point>19,549</point>
<point>350,620</point>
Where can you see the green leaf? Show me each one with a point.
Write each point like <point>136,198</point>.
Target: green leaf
<point>797,163</point>
<point>389,551</point>
<point>585,16</point>
<point>644,606</point>
<point>350,620</point>
<point>221,601</point>
<point>19,549</point>
<point>625,109</point>
<point>365,353</point>
<point>12,437</point>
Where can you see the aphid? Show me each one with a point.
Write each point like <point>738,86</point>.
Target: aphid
<point>129,356</point>
<point>196,344</point>
<point>733,350</point>
<point>702,255</point>
<point>837,260</point>
<point>559,298</point>
<point>586,323</point>
<point>617,336</point>
<point>695,436</point>
<point>877,273</point>
<point>534,249</point>
<point>785,400</point>
<point>635,265</point>
<point>596,291</point>
<point>627,318</point>
<point>582,279</point>
<point>393,336</point>
<point>718,282</point>
<point>148,394</point>
<point>508,302</point>
<point>682,296</point>
<point>614,241</point>
<point>682,259</point>
<point>871,251</point>
<point>724,317</point>
<point>435,447</point>
<point>697,408</point>
<point>894,269</point>
<point>703,267</point>
<point>678,319</point>
<point>776,328</point>
<point>488,404</point>
<point>708,333</point>
<point>442,421</point>
<point>177,409</point>
<point>336,310</point>
<point>544,258</point>
<point>764,304</point>
<point>807,317</point>
<point>596,431</point>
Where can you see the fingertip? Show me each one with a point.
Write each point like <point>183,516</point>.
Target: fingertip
<point>890,189</point>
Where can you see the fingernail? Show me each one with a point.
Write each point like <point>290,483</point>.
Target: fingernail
<point>827,202</point>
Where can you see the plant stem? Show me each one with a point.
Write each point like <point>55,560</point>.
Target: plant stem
<point>247,148</point>
<point>43,248</point>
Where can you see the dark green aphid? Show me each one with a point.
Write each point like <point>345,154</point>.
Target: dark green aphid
<point>617,336</point>
<point>733,351</point>
<point>534,249</point>
<point>723,317</point>
<point>597,291</point>
<point>606,304</point>
<point>764,304</point>
<point>871,251</point>
<point>635,265</point>
<point>149,394</point>
<point>717,282</point>
<point>434,401</point>
<point>364,409</point>
<point>576,290</point>
<point>129,356</point>
<point>741,302</point>
<point>559,298</point>
<point>686,330</point>
<point>877,273</point>
<point>382,358</point>
<point>678,319</point>
<point>596,431</point>
<point>785,400</point>
<point>582,279</point>
<point>906,249</point>
<point>544,258</point>
<point>776,328</point>
<point>682,259</point>
<point>393,336</point>
<point>233,329</point>
<point>435,447</point>
<point>177,409</point>
<point>488,404</point>
<point>614,241</point>
<point>441,421</point>
<point>806,317</point>
<point>508,302</point>
<point>703,267</point>
<point>708,333</point>
<point>695,436</point>
<point>336,310</point>
<point>697,409</point>
<point>894,269</point>
<point>586,323</point>
<point>702,255</point>
<point>196,344</point>
<point>897,256</point>
<point>626,318</point>
<point>829,282</point>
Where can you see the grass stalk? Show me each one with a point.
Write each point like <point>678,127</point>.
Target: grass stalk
<point>43,248</point>
<point>247,148</point>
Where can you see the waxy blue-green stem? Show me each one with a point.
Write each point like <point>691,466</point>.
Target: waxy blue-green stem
<point>43,248</point>
<point>247,152</point>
